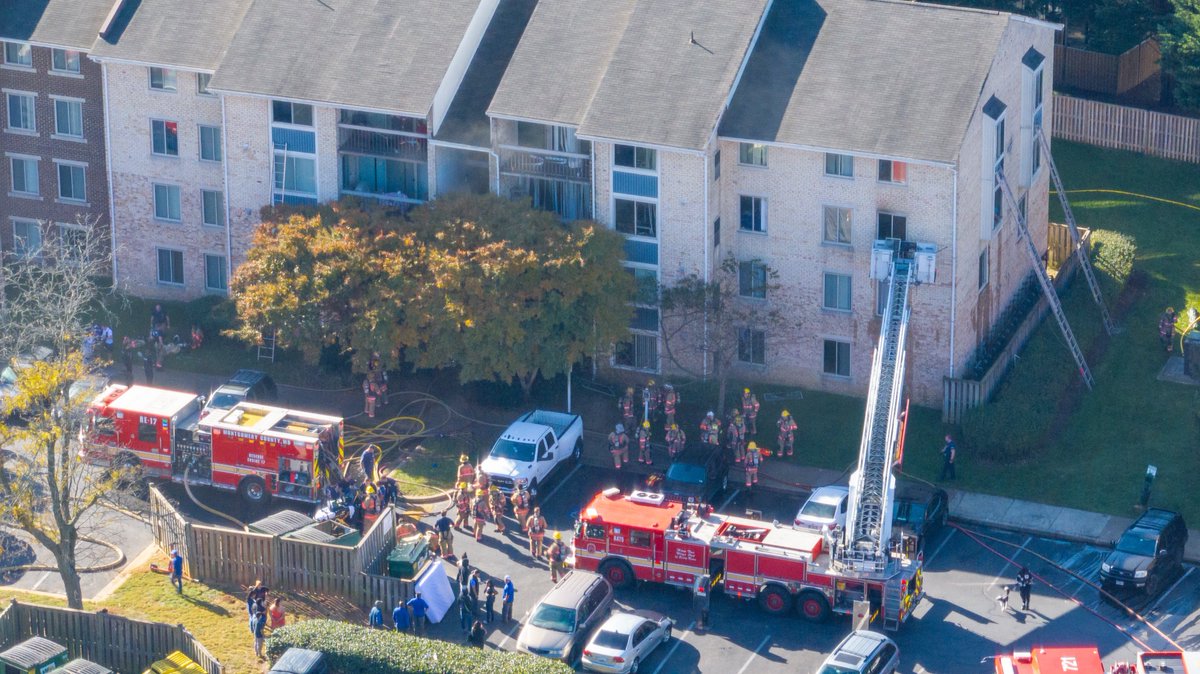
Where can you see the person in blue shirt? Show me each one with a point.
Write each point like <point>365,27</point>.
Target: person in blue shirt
<point>506,597</point>
<point>419,607</point>
<point>258,626</point>
<point>177,571</point>
<point>375,617</point>
<point>400,616</point>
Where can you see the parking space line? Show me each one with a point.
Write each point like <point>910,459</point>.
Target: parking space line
<point>929,559</point>
<point>1171,589</point>
<point>754,654</point>
<point>1008,562</point>
<point>507,635</point>
<point>41,580</point>
<point>566,479</point>
<point>729,500</point>
<point>674,647</point>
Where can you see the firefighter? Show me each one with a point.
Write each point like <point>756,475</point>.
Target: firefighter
<point>462,501</point>
<point>368,398</point>
<point>700,600</point>
<point>787,433</point>
<point>651,399</point>
<point>520,502</point>
<point>618,446</point>
<point>643,443</point>
<point>466,472</point>
<point>676,439</point>
<point>735,437</point>
<point>497,504</point>
<point>481,478</point>
<point>558,557</point>
<point>369,457</point>
<point>750,411</point>
<point>536,526</point>
<point>710,430</point>
<point>378,378</point>
<point>481,512</point>
<point>435,543</point>
<point>625,405</point>
<point>670,401</point>
<point>751,461</point>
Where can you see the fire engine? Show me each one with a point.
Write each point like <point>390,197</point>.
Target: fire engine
<point>644,537</point>
<point>1056,660</point>
<point>256,450</point>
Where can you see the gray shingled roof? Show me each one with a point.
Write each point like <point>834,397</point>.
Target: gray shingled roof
<point>64,23</point>
<point>561,59</point>
<point>180,33</point>
<point>893,78</point>
<point>384,54</point>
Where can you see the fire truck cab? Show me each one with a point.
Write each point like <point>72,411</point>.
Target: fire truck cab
<point>136,424</point>
<point>1046,660</point>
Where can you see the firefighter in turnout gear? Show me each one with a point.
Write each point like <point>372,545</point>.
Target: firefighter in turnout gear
<point>735,437</point>
<point>466,472</point>
<point>520,502</point>
<point>368,398</point>
<point>710,430</point>
<point>787,433</point>
<point>435,543</point>
<point>481,478</point>
<point>558,557</point>
<point>498,507</point>
<point>643,443</point>
<point>481,511</point>
<point>618,446</point>
<point>676,439</point>
<point>651,400</point>
<point>536,526</point>
<point>750,411</point>
<point>462,501</point>
<point>626,406</point>
<point>670,402</point>
<point>750,463</point>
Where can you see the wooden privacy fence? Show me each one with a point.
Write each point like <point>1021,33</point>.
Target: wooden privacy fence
<point>231,557</point>
<point>962,395</point>
<point>121,644</point>
<point>1111,74</point>
<point>1124,128</point>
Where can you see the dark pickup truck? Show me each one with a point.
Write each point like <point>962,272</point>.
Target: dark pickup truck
<point>697,475</point>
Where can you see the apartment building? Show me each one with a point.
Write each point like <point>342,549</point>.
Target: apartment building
<point>52,126</point>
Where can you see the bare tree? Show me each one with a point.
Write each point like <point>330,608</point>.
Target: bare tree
<point>719,322</point>
<point>46,487</point>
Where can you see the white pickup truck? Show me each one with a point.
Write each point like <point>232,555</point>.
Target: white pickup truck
<point>530,449</point>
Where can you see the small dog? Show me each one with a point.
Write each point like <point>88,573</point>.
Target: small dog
<point>1003,598</point>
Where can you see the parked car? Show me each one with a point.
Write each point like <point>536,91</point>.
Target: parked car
<point>625,640</point>
<point>1148,555</point>
<point>863,652</point>
<point>533,448</point>
<point>11,374</point>
<point>560,623</point>
<point>252,385</point>
<point>697,475</point>
<point>920,510</point>
<point>825,508</point>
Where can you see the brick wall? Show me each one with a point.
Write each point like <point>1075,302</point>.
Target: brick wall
<point>250,177</point>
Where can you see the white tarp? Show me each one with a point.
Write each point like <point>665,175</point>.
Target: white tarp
<point>434,586</point>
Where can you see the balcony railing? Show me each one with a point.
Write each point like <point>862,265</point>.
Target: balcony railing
<point>546,164</point>
<point>374,143</point>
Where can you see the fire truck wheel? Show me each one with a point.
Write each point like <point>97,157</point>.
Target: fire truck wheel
<point>253,491</point>
<point>813,607</point>
<point>617,572</point>
<point>774,600</point>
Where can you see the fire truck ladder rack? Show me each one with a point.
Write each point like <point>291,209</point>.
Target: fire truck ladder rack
<point>1044,280</point>
<point>1080,251</point>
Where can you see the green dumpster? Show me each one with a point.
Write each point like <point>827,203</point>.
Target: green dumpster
<point>407,558</point>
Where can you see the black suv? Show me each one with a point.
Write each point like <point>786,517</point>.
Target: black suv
<point>251,385</point>
<point>697,475</point>
<point>1148,555</point>
<point>920,511</point>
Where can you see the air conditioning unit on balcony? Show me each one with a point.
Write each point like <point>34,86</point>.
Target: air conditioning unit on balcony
<point>881,259</point>
<point>926,259</point>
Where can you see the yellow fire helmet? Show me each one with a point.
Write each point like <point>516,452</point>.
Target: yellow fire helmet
<point>464,459</point>
<point>674,427</point>
<point>785,413</point>
<point>645,424</point>
<point>558,535</point>
<point>752,445</point>
<point>745,390</point>
<point>495,488</point>
<point>370,489</point>
<point>463,485</point>
<point>480,492</point>
<point>650,383</point>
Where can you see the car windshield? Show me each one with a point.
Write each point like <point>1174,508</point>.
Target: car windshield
<point>909,512</point>
<point>224,401</point>
<point>517,451</point>
<point>607,639</point>
<point>9,376</point>
<point>554,618</point>
<point>1139,543</point>
<point>818,510</point>
<point>686,473</point>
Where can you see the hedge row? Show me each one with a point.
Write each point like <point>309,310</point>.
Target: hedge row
<point>353,649</point>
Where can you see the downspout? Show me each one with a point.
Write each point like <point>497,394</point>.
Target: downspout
<point>108,162</point>
<point>228,210</point>
<point>953,265</point>
<point>593,185</point>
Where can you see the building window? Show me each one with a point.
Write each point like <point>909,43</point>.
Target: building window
<point>881,297</point>
<point>170,266</point>
<point>18,54</point>
<point>717,165</point>
<point>72,183</point>
<point>164,138</point>
<point>283,112</point>
<point>892,171</point>
<point>163,79</point>
<point>21,112</point>
<point>68,118</point>
<point>636,218</point>
<point>716,232</point>
<point>999,144</point>
<point>837,292</point>
<point>752,279</point>
<point>753,214</point>
<point>295,174</point>
<point>635,157</point>
<point>645,282</point>
<point>997,205</point>
<point>25,176</point>
<point>202,80</point>
<point>639,352</point>
<point>166,202</point>
<point>64,61</point>
<point>839,165</point>
<point>752,346</point>
<point>27,238</point>
<point>837,358</point>
<point>384,177</point>
<point>210,143</point>
<point>892,226</point>
<point>72,240</point>
<point>836,227</point>
<point>215,273</point>
<point>983,269</point>
<point>752,154</point>
<point>213,207</point>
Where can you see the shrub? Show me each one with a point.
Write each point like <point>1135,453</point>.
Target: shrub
<point>353,649</point>
<point>213,313</point>
<point>1113,254</point>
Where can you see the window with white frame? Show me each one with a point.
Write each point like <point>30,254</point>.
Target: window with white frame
<point>210,143</point>
<point>213,208</point>
<point>64,61</point>
<point>717,165</point>
<point>984,272</point>
<point>839,165</point>
<point>997,205</point>
<point>837,292</point>
<point>16,54</point>
<point>27,238</point>
<point>836,359</point>
<point>163,79</point>
<point>202,80</point>
<point>753,214</point>
<point>752,154</point>
<point>891,171</point>
<point>752,346</point>
<point>166,203</point>
<point>636,218</point>
<point>68,118</point>
<point>717,232</point>
<point>170,266</point>
<point>639,352</point>
<point>285,112</point>
<point>891,226</point>
<point>1038,83</point>
<point>21,115</point>
<point>164,138</point>
<point>630,156</point>
<point>836,223</point>
<point>752,279</point>
<point>25,175</point>
<point>215,273</point>
<point>72,242</point>
<point>295,174</point>
<point>72,182</point>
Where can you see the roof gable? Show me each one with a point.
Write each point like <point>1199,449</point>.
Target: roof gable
<point>65,23</point>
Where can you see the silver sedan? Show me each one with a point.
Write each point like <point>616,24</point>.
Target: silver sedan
<point>625,640</point>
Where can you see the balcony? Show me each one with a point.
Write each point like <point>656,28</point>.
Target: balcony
<point>379,144</point>
<point>546,164</point>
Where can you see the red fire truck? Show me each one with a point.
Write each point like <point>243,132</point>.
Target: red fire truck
<point>258,451</point>
<point>642,536</point>
<point>1056,660</point>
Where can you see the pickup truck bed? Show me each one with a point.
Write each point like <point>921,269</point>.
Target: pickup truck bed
<point>559,421</point>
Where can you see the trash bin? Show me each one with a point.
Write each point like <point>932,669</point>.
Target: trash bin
<point>175,663</point>
<point>407,558</point>
<point>300,661</point>
<point>81,666</point>
<point>34,656</point>
<point>1191,354</point>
